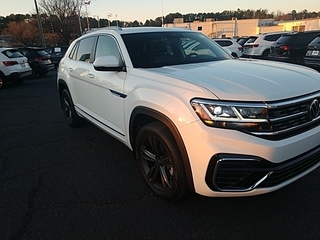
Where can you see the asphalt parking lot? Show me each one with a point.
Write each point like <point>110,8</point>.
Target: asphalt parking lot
<point>57,182</point>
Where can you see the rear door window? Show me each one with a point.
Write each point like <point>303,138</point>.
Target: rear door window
<point>272,37</point>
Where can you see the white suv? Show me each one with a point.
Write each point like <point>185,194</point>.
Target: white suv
<point>231,44</point>
<point>14,67</point>
<point>259,46</point>
<point>196,118</point>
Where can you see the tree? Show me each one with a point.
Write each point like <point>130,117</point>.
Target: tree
<point>62,18</point>
<point>23,32</point>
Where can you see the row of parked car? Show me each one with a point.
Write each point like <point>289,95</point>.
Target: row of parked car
<point>17,64</point>
<point>291,47</point>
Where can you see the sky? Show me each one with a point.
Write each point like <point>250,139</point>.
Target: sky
<point>142,10</point>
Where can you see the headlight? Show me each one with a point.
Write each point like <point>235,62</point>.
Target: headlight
<point>241,116</point>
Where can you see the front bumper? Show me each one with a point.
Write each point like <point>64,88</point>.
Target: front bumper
<point>229,163</point>
<point>239,173</point>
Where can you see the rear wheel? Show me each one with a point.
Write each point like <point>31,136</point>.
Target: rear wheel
<point>299,59</point>
<point>265,54</point>
<point>2,81</point>
<point>69,112</point>
<point>160,161</point>
<point>234,54</point>
<point>33,74</point>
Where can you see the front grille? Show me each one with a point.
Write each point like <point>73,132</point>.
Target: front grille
<point>242,173</point>
<point>289,118</point>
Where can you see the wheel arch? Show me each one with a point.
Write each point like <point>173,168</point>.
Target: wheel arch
<point>299,56</point>
<point>61,84</point>
<point>142,116</point>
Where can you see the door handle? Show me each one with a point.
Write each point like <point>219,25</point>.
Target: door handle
<point>90,75</point>
<point>70,69</point>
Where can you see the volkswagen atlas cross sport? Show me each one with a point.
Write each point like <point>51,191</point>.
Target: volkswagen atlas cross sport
<point>195,117</point>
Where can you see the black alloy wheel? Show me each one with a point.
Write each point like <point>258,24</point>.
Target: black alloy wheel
<point>299,59</point>
<point>160,161</point>
<point>69,112</point>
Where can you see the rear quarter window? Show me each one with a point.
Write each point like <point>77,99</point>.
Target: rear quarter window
<point>12,54</point>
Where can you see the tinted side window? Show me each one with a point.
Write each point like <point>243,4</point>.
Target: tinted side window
<point>228,43</point>
<point>252,39</point>
<point>85,48</point>
<point>221,43</point>
<point>107,46</point>
<point>310,37</point>
<point>303,38</point>
<point>272,38</point>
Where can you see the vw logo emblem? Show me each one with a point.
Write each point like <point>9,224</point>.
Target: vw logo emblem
<point>314,109</point>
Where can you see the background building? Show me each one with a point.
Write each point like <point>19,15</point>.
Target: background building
<point>234,28</point>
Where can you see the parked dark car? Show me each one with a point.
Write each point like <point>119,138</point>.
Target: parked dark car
<point>292,47</point>
<point>56,53</point>
<point>39,60</point>
<point>312,57</point>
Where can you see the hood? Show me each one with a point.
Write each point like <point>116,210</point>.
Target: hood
<point>247,80</point>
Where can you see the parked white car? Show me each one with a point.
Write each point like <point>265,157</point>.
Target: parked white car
<point>258,46</point>
<point>231,44</point>
<point>195,118</point>
<point>14,67</point>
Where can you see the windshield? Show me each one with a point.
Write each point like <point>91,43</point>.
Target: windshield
<point>157,49</point>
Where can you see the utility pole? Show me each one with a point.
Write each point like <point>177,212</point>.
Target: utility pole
<point>79,17</point>
<point>162,15</point>
<point>40,25</point>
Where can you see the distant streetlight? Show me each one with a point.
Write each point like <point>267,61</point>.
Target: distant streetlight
<point>40,25</point>
<point>86,3</point>
<point>109,16</point>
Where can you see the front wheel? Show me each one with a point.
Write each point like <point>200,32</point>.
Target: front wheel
<point>160,161</point>
<point>69,112</point>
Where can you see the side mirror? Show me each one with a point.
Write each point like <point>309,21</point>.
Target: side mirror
<point>108,63</point>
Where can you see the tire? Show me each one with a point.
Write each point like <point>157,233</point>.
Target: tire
<point>33,74</point>
<point>265,54</point>
<point>2,81</point>
<point>69,112</point>
<point>299,59</point>
<point>160,162</point>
